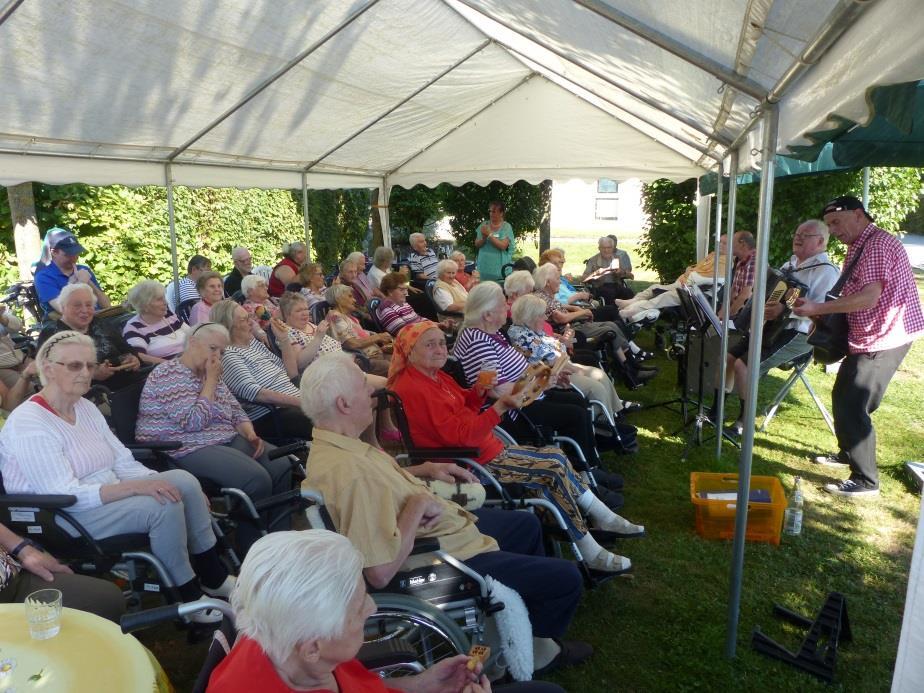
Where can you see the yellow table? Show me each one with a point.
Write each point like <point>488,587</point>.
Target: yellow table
<point>89,654</point>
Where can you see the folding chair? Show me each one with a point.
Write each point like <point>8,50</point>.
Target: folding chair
<point>799,366</point>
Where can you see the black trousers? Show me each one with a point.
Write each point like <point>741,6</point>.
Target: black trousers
<point>859,388</point>
<point>285,422</point>
<point>564,411</point>
<point>80,592</point>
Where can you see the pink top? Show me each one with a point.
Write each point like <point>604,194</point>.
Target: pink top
<point>199,313</point>
<point>896,319</point>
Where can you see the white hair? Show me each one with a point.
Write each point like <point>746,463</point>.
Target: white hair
<point>142,293</point>
<point>414,236</point>
<point>543,274</point>
<point>358,259</point>
<point>69,290</point>
<point>446,266</point>
<point>606,240</point>
<point>66,336</point>
<point>349,262</point>
<point>526,309</point>
<point>456,254</point>
<point>519,283</point>
<point>383,257</point>
<point>819,227</point>
<point>335,292</point>
<point>251,282</point>
<point>295,586</point>
<point>329,377</point>
<point>482,298</point>
<point>204,329</point>
<point>238,251</point>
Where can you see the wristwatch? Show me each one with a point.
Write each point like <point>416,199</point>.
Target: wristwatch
<point>23,544</point>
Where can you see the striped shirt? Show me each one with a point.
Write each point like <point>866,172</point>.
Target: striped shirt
<point>744,274</point>
<point>249,369</point>
<point>42,453</point>
<point>187,291</point>
<point>475,347</point>
<point>299,339</point>
<point>163,339</point>
<point>423,264</point>
<point>172,408</point>
<point>393,316</point>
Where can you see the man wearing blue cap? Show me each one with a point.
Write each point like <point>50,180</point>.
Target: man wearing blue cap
<point>58,268</point>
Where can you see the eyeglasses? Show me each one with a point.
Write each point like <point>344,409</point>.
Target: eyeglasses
<point>77,366</point>
<point>798,234</point>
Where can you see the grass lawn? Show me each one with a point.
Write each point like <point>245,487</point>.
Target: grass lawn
<point>580,246</point>
<point>663,628</point>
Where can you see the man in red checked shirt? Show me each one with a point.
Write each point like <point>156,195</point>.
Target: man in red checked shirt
<point>883,316</point>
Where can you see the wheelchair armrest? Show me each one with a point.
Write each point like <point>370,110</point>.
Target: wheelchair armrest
<point>425,545</point>
<point>287,498</point>
<point>47,502</point>
<point>441,453</point>
<point>290,449</point>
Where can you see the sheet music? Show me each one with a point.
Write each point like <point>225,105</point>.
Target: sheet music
<point>703,304</point>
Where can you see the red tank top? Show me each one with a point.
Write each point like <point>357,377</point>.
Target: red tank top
<point>277,288</point>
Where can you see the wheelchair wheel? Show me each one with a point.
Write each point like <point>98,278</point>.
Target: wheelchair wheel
<point>423,633</point>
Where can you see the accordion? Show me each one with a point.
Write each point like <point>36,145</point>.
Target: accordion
<point>781,287</point>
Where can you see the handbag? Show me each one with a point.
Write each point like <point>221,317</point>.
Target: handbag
<point>828,336</point>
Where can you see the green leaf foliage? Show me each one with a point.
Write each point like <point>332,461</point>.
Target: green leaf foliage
<point>669,242</point>
<point>467,207</point>
<point>339,222</point>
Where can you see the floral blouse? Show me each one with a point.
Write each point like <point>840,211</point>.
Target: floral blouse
<point>538,347</point>
<point>346,327</point>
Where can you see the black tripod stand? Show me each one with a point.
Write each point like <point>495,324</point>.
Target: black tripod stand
<point>699,329</point>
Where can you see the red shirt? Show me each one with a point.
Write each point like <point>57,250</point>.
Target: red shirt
<point>247,669</point>
<point>443,415</point>
<point>744,274</point>
<point>896,319</point>
<point>276,287</point>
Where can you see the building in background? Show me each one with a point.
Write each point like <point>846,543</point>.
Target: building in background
<point>597,207</point>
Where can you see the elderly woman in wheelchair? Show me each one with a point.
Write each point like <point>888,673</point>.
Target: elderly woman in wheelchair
<point>442,414</point>
<point>59,443</point>
<point>185,400</point>
<point>382,509</point>
<point>301,607</point>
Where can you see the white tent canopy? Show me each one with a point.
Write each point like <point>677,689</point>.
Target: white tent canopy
<point>255,92</point>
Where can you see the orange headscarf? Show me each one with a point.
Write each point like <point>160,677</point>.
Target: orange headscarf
<point>401,353</point>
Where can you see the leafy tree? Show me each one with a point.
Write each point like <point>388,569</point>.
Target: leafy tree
<point>339,221</point>
<point>669,242</point>
<point>410,211</point>
<point>467,207</point>
<point>670,239</point>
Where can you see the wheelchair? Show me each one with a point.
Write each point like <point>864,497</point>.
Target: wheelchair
<point>503,496</point>
<point>426,614</point>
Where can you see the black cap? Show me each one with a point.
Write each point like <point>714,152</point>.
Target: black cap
<point>845,203</point>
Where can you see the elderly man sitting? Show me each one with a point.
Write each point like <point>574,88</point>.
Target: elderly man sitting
<point>422,259</point>
<point>608,270</point>
<point>243,266</point>
<point>648,304</point>
<point>383,508</point>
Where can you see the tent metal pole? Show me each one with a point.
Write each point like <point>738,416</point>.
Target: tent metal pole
<point>718,235</point>
<point>866,186</point>
<point>392,109</point>
<point>685,53</point>
<point>171,222</point>
<point>384,216</point>
<point>10,8</point>
<point>456,127</point>
<point>660,128</point>
<point>768,158</point>
<point>564,55</point>
<point>265,84</point>
<point>305,214</point>
<point>726,294</point>
<point>842,17</point>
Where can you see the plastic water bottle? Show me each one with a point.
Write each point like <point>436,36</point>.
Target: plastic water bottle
<point>792,518</point>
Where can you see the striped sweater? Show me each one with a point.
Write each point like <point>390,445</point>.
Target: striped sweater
<point>475,347</point>
<point>163,339</point>
<point>172,408</point>
<point>249,369</point>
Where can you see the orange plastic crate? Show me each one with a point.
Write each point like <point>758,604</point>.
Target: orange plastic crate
<point>715,519</point>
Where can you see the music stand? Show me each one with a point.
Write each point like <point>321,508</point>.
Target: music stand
<point>700,319</point>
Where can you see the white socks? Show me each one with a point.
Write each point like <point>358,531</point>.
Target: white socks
<point>544,651</point>
<point>604,518</point>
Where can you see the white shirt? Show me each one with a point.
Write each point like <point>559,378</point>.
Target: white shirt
<point>375,276</point>
<point>819,275</point>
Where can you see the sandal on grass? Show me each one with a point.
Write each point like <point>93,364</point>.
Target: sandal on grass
<point>608,562</point>
<point>620,527</point>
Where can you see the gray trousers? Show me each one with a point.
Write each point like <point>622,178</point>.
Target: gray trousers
<point>175,529</point>
<point>80,592</point>
<point>231,466</point>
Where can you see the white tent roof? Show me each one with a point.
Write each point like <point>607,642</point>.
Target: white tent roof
<point>255,92</point>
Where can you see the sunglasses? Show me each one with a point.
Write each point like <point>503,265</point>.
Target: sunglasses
<point>77,366</point>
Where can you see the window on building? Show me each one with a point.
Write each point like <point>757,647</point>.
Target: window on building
<point>606,209</point>
<point>607,186</point>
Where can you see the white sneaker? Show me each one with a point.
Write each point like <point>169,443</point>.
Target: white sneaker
<point>650,314</point>
<point>609,562</point>
<point>223,591</point>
